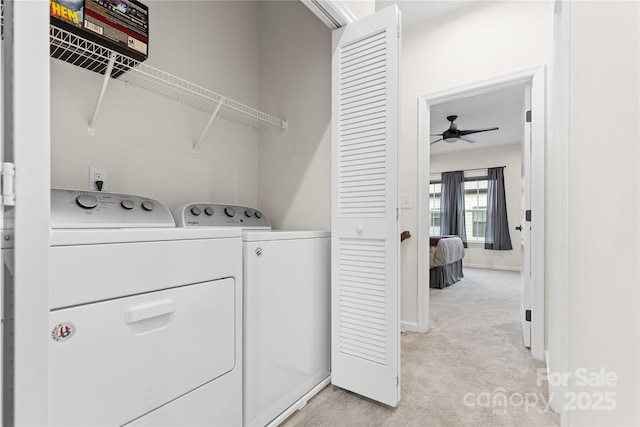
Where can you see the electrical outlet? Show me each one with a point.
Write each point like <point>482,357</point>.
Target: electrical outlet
<point>405,201</point>
<point>97,174</point>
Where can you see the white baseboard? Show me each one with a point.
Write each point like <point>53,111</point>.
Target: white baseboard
<point>409,327</point>
<point>491,267</point>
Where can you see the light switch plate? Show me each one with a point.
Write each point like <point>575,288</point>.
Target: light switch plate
<point>405,201</point>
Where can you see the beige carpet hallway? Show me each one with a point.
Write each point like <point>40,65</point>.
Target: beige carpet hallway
<point>470,369</point>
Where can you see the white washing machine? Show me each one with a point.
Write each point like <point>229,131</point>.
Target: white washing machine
<point>146,318</point>
<point>287,291</point>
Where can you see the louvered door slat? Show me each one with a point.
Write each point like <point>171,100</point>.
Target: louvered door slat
<point>359,110</point>
<point>360,123</point>
<point>365,74</point>
<point>374,40</point>
<point>364,103</point>
<point>356,143</point>
<point>348,119</point>
<point>363,97</point>
<point>364,85</point>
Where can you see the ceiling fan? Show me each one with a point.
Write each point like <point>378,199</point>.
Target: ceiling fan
<point>453,133</point>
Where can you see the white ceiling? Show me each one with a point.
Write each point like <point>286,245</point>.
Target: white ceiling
<point>502,108</point>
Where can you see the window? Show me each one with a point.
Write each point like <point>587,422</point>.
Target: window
<point>434,208</point>
<point>475,202</point>
<point>475,209</point>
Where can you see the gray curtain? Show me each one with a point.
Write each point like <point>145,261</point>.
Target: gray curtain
<point>497,235</point>
<point>452,205</point>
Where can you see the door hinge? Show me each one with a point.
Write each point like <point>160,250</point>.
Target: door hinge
<point>397,381</point>
<point>7,174</point>
<point>528,116</point>
<point>527,215</point>
<point>399,32</point>
<point>527,315</point>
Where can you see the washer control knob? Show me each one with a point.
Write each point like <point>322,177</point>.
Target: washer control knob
<point>258,214</point>
<point>195,211</point>
<point>247,213</point>
<point>231,212</point>
<point>127,204</point>
<point>87,201</point>
<point>208,210</point>
<point>148,205</point>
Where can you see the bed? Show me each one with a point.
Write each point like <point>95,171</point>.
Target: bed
<point>445,261</point>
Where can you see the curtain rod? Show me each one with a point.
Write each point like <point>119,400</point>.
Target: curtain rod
<point>469,170</point>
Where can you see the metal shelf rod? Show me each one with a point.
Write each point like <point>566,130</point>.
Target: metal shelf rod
<point>103,89</point>
<point>213,116</point>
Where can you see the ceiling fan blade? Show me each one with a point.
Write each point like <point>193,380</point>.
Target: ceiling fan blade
<point>433,142</point>
<point>468,139</point>
<point>470,131</point>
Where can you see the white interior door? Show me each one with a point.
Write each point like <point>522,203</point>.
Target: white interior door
<point>525,222</point>
<point>365,243</point>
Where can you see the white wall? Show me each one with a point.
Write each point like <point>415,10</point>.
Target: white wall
<point>603,191</point>
<point>510,156</point>
<point>481,41</point>
<point>144,141</point>
<point>294,178</point>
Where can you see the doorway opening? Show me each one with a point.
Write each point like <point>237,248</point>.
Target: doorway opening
<point>433,109</point>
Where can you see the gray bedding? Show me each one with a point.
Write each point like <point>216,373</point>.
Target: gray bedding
<point>447,251</point>
<point>445,261</point>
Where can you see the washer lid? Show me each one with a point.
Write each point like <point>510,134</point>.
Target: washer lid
<point>258,236</point>
<point>220,215</point>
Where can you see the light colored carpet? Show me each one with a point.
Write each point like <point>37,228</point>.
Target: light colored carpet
<point>472,353</point>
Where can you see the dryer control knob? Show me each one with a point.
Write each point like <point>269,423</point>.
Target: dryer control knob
<point>208,211</point>
<point>247,213</point>
<point>148,205</point>
<point>258,214</point>
<point>230,211</point>
<point>195,211</point>
<point>127,204</point>
<point>87,201</point>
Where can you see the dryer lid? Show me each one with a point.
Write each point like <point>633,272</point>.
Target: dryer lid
<point>94,209</point>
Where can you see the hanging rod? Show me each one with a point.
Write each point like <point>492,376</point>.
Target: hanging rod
<point>78,51</point>
<point>468,170</point>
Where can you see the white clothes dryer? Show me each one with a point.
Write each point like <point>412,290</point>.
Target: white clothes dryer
<point>145,318</point>
<point>287,319</point>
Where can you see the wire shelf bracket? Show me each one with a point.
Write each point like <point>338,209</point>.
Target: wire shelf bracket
<point>81,52</point>
<point>103,89</point>
<point>204,132</point>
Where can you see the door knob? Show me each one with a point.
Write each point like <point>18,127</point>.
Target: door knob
<point>359,229</point>
<point>519,228</point>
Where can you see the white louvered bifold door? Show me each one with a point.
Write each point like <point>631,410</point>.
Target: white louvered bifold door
<point>365,353</point>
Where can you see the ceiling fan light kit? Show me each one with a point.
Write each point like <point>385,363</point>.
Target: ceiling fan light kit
<point>454,134</point>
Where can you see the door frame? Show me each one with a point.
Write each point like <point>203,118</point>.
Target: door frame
<point>536,76</point>
<point>28,115</point>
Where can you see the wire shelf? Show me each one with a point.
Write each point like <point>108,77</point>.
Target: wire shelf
<point>84,53</point>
